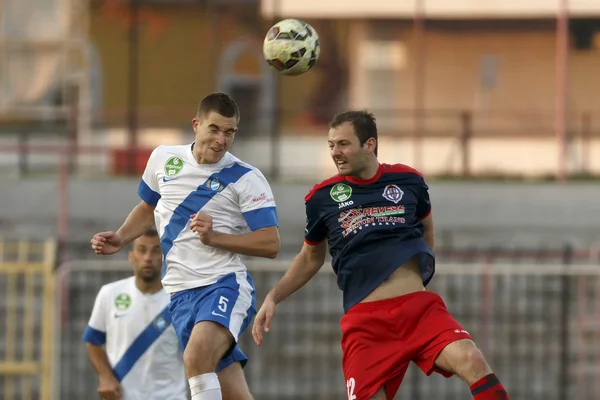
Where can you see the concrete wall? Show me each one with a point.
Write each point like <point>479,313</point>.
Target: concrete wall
<point>514,215</point>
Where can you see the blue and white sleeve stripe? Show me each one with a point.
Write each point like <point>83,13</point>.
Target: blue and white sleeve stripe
<point>94,336</point>
<point>147,194</point>
<point>261,218</point>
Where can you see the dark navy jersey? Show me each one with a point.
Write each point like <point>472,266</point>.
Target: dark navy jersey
<point>372,227</point>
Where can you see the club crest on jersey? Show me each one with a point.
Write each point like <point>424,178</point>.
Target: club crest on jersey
<point>160,322</point>
<point>393,193</point>
<point>214,185</point>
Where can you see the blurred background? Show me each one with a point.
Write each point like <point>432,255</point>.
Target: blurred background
<point>496,102</point>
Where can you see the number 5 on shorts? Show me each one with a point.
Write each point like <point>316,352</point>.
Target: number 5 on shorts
<point>223,301</point>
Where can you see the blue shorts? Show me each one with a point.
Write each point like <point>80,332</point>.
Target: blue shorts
<point>230,302</point>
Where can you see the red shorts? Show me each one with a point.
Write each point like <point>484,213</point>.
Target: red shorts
<point>380,339</point>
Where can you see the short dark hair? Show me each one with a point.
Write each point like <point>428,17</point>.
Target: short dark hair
<point>150,233</point>
<point>221,103</point>
<point>363,123</point>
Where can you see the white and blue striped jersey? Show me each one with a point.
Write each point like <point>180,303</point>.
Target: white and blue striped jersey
<point>235,194</point>
<point>139,340</point>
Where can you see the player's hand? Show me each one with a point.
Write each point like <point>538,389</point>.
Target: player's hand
<point>202,224</point>
<point>105,243</point>
<point>263,318</point>
<point>109,388</point>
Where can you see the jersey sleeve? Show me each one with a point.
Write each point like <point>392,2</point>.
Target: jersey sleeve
<point>95,332</point>
<point>256,201</point>
<point>148,189</point>
<point>316,230</point>
<point>424,203</point>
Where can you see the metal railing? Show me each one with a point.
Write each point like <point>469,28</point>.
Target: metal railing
<point>454,140</point>
<point>27,315</point>
<point>537,324</point>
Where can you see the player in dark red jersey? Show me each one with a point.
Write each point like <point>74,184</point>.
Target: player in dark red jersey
<point>376,219</point>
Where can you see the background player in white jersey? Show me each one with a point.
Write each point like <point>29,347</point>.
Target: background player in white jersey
<point>209,208</point>
<point>129,338</point>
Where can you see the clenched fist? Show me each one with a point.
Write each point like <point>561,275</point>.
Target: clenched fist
<point>106,243</point>
<point>110,389</point>
<point>202,224</point>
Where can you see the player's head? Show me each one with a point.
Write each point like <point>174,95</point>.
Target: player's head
<point>353,141</point>
<point>215,125</point>
<point>146,256</point>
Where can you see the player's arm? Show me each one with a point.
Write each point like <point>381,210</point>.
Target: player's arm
<point>263,242</point>
<point>99,360</point>
<point>139,220</point>
<point>94,337</point>
<point>310,259</point>
<point>304,266</point>
<point>257,204</point>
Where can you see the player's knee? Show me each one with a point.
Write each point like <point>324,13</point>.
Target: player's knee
<point>200,359</point>
<point>475,366</point>
<point>233,383</point>
<point>195,363</point>
<point>207,345</point>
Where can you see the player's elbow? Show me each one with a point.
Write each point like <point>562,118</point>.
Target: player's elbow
<point>146,208</point>
<point>271,243</point>
<point>272,250</point>
<point>94,351</point>
<point>312,257</point>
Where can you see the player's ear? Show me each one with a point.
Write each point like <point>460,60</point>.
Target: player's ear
<point>370,145</point>
<point>130,257</point>
<point>195,123</point>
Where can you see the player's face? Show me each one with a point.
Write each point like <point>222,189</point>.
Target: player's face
<point>146,258</point>
<point>349,156</point>
<point>214,136</point>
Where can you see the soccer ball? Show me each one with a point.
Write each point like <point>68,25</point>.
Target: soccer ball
<point>291,47</point>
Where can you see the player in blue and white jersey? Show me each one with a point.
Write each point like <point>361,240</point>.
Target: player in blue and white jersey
<point>209,207</point>
<point>129,338</point>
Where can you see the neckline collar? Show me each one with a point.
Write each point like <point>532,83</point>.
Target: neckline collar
<point>358,181</point>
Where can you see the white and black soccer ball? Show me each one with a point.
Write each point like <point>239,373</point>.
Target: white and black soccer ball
<point>291,47</point>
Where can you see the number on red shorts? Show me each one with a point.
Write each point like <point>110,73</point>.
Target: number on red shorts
<point>350,389</point>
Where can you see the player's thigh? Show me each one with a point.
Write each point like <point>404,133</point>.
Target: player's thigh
<point>380,395</point>
<point>204,342</point>
<point>463,358</point>
<point>444,345</point>
<point>375,389</point>
<point>373,358</point>
<point>231,302</point>
<point>208,343</point>
<point>201,317</point>
<point>233,383</point>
